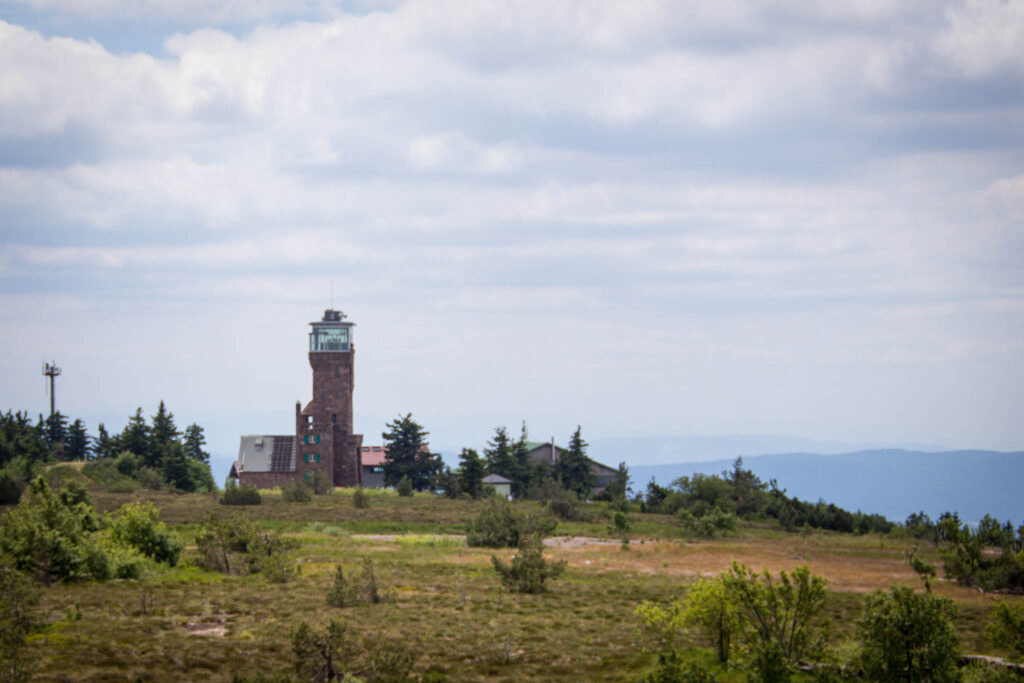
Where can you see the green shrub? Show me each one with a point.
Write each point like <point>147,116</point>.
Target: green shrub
<point>787,615</point>
<point>1006,627</point>
<point>10,489</point>
<point>150,479</point>
<point>233,545</point>
<point>404,486</point>
<point>323,655</point>
<point>296,492</point>
<point>908,636</point>
<point>360,499</point>
<point>501,524</point>
<point>49,535</point>
<point>137,525</point>
<point>18,596</point>
<point>713,522</point>
<point>347,591</point>
<point>673,667</point>
<point>988,673</point>
<point>128,464</point>
<point>321,483</point>
<point>235,494</point>
<point>528,571</point>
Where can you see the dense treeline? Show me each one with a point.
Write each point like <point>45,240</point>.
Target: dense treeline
<point>155,454</point>
<point>409,457</point>
<point>739,493</point>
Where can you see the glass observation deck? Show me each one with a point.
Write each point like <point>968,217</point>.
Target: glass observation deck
<point>331,334</point>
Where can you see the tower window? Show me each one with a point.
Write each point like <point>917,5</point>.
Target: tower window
<point>305,438</point>
<point>318,438</point>
<point>318,457</point>
<point>334,418</point>
<point>305,457</point>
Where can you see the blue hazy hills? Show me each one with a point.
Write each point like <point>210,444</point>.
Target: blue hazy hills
<point>891,482</point>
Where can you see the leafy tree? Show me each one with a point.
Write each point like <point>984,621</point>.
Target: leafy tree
<point>920,525</point>
<point>715,613</point>
<point>748,492</point>
<point>407,454</point>
<point>908,636</point>
<point>55,430</point>
<point>194,442</point>
<point>786,615</point>
<point>174,465</point>
<point>20,440</point>
<point>470,472</point>
<point>77,446</point>
<point>573,467</point>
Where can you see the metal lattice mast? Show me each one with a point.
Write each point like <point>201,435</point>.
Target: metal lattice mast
<point>51,370</point>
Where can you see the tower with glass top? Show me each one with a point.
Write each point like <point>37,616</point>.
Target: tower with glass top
<point>323,429</point>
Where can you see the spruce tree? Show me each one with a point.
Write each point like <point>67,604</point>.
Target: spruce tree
<point>498,455</point>
<point>77,446</point>
<point>106,446</point>
<point>164,431</point>
<point>573,467</point>
<point>407,454</point>
<point>135,438</point>
<point>470,472</point>
<point>194,442</point>
<point>520,456</point>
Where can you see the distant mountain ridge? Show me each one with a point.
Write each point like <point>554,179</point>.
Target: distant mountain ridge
<point>891,482</point>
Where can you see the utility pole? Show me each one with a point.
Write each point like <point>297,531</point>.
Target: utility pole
<point>51,370</point>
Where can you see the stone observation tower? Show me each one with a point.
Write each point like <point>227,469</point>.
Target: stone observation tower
<point>323,429</point>
<point>323,437</point>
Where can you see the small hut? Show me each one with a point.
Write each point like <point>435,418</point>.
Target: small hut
<point>501,485</point>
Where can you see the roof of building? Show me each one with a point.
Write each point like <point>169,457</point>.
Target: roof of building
<point>266,453</point>
<point>373,456</point>
<point>495,479</point>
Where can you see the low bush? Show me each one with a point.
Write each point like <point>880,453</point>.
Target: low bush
<point>234,545</point>
<point>18,597</point>
<point>529,571</point>
<point>404,487</point>
<point>356,589</point>
<point>10,489</point>
<point>1006,627</point>
<point>360,499</point>
<point>244,494</point>
<point>49,534</point>
<point>321,483</point>
<point>137,525</point>
<point>501,524</point>
<point>714,522</point>
<point>296,492</point>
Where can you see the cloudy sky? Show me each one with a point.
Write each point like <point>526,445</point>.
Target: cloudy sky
<point>647,218</point>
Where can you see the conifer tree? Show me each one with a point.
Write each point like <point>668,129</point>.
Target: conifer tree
<point>520,456</point>
<point>470,472</point>
<point>498,455</point>
<point>106,446</point>
<point>407,454</point>
<point>164,431</point>
<point>77,446</point>
<point>573,467</point>
<point>194,442</point>
<point>135,438</point>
